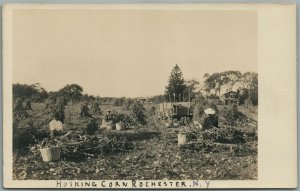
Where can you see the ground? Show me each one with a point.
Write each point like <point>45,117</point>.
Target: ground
<point>151,152</point>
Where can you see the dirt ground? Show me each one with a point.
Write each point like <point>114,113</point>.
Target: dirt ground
<point>149,157</point>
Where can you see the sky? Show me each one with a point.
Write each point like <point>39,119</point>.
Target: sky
<point>129,52</point>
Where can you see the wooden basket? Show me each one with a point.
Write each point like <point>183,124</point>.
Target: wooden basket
<point>50,154</point>
<point>120,127</point>
<point>182,139</point>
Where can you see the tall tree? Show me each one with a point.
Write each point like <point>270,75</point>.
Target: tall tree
<point>72,92</point>
<point>192,88</point>
<point>34,92</point>
<point>230,78</point>
<point>176,85</point>
<point>205,87</point>
<point>213,82</point>
<point>217,81</point>
<point>249,81</point>
<point>42,93</point>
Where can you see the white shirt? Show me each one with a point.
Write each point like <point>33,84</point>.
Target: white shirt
<point>56,125</point>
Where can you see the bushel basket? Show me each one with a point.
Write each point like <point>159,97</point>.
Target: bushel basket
<point>50,154</point>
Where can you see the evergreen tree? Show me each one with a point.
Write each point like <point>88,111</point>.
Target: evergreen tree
<point>176,85</point>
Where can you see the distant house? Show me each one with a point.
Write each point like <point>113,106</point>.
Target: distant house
<point>230,97</point>
<point>213,99</point>
<point>144,100</point>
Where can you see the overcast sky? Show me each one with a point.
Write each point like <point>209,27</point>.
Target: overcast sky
<point>129,52</point>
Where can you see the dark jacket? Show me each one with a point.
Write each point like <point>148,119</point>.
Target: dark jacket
<point>210,122</point>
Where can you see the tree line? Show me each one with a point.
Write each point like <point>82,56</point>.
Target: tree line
<point>71,93</point>
<point>36,93</point>
<point>177,89</point>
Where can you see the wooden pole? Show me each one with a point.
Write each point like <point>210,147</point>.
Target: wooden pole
<point>175,101</point>
<point>189,103</point>
<point>163,110</point>
<point>250,104</point>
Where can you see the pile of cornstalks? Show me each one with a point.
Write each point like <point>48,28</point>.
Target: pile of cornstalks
<point>77,147</point>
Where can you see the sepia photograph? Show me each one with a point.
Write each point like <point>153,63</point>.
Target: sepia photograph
<point>146,95</point>
<point>129,94</point>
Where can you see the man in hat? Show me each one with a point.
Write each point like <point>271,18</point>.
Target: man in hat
<point>211,120</point>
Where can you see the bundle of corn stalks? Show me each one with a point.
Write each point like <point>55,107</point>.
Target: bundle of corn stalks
<point>77,147</point>
<point>19,110</point>
<point>224,135</point>
<point>236,118</point>
<point>95,108</point>
<point>28,105</point>
<point>49,104</point>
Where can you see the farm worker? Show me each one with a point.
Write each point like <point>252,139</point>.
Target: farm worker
<point>56,124</point>
<point>84,111</point>
<point>235,108</point>
<point>91,127</point>
<point>59,111</point>
<point>108,116</point>
<point>211,120</point>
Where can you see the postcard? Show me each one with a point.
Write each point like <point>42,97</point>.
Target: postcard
<point>181,96</point>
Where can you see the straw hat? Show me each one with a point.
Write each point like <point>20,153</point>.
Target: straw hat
<point>209,111</point>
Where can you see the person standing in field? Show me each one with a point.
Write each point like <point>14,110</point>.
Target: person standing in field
<point>59,111</point>
<point>84,110</point>
<point>108,116</point>
<point>211,120</point>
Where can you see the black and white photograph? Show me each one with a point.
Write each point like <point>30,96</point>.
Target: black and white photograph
<point>129,94</point>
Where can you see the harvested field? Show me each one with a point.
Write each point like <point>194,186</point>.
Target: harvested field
<point>147,152</point>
